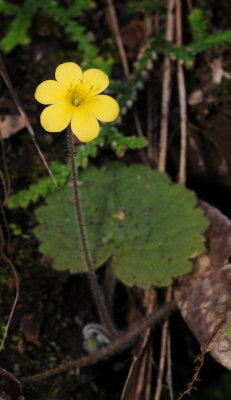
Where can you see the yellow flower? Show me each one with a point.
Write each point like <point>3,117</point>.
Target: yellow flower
<point>75,99</point>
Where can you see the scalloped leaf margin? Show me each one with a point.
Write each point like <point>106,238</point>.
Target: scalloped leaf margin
<point>149,227</point>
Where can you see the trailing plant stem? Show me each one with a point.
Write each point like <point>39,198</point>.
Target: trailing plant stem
<point>100,303</point>
<point>121,342</point>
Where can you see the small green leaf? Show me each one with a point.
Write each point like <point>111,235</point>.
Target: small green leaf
<point>15,229</point>
<point>41,188</point>
<point>148,226</point>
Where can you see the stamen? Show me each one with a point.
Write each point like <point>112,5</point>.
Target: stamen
<point>76,101</point>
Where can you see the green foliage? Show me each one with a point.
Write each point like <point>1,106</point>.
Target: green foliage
<point>127,92</point>
<point>15,229</point>
<point>17,33</point>
<point>159,45</point>
<point>108,135</point>
<point>41,188</point>
<point>201,40</point>
<point>120,143</point>
<point>8,8</point>
<point>18,30</point>
<point>76,32</point>
<point>198,25</point>
<point>148,226</point>
<point>150,6</point>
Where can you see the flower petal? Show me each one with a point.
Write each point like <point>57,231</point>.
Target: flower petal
<point>104,107</point>
<point>95,81</point>
<point>68,74</point>
<point>84,125</point>
<point>56,117</point>
<point>50,92</point>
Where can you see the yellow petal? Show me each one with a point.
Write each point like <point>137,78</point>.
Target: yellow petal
<point>84,125</point>
<point>50,92</point>
<point>68,74</point>
<point>56,118</point>
<point>95,81</point>
<point>105,108</point>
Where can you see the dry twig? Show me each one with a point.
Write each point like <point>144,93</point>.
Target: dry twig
<point>200,358</point>
<point>169,367</point>
<point>140,369</point>
<point>118,344</point>
<point>116,31</point>
<point>5,177</point>
<point>21,111</point>
<point>182,97</point>
<point>9,262</point>
<point>163,351</point>
<point>166,90</point>
<point>123,56</point>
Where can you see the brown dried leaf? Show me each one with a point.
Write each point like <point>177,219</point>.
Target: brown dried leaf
<point>217,71</point>
<point>11,124</point>
<point>30,327</point>
<point>204,296</point>
<point>196,97</point>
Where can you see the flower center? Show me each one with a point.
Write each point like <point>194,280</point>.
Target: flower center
<point>76,101</point>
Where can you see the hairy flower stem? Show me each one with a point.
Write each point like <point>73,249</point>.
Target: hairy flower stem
<point>100,303</point>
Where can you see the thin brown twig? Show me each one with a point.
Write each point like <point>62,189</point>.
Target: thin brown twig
<point>148,387</point>
<point>6,177</point>
<point>190,6</point>
<point>5,188</point>
<point>118,344</point>
<point>141,381</point>
<point>163,351</point>
<point>4,218</point>
<point>149,302</point>
<point>150,137</point>
<point>150,127</point>
<point>182,98</point>
<point>116,31</point>
<point>6,193</point>
<point>200,358</point>
<point>9,262</point>
<point>166,90</point>
<point>136,376</point>
<point>21,111</point>
<point>169,367</point>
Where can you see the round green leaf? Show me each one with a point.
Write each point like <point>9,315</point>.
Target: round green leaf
<point>148,226</point>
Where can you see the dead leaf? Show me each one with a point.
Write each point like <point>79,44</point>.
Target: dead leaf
<point>30,327</point>
<point>217,71</point>
<point>196,97</point>
<point>11,124</point>
<point>204,297</point>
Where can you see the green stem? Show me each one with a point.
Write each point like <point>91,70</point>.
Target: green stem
<point>100,303</point>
